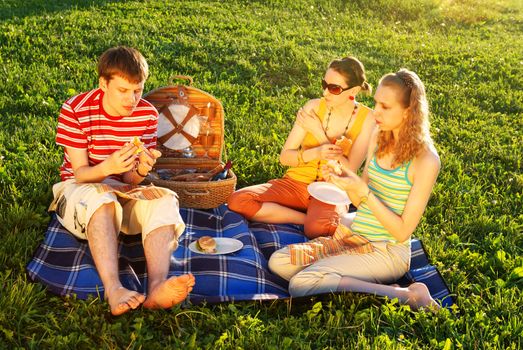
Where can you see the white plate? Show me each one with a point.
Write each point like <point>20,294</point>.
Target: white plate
<point>224,245</point>
<point>192,127</point>
<point>328,193</point>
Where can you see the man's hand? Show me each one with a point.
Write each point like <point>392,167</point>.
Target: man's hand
<point>146,160</point>
<point>120,161</point>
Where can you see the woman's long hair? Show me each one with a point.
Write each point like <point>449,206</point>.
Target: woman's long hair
<point>414,135</point>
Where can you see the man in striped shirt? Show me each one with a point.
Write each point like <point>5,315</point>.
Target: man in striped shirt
<point>109,135</point>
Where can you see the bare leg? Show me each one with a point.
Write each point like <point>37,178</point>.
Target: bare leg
<point>416,295</point>
<point>273,213</point>
<point>163,292</point>
<point>102,238</point>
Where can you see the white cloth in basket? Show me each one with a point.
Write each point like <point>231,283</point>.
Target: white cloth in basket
<point>178,140</point>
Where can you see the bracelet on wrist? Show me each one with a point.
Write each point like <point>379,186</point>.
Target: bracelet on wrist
<point>365,198</point>
<point>300,156</point>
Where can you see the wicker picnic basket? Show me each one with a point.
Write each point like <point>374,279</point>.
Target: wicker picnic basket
<point>197,103</point>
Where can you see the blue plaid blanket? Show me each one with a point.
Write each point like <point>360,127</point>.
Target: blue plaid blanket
<point>65,266</point>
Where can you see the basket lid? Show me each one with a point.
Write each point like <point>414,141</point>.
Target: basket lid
<point>188,117</point>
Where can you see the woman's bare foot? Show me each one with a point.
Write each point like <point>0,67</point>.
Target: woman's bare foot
<point>122,300</point>
<point>170,292</point>
<point>419,297</point>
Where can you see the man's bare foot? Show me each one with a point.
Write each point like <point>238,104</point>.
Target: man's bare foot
<point>122,300</point>
<point>419,297</point>
<point>170,292</point>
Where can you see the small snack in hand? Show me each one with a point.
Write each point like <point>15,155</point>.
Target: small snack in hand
<point>206,244</point>
<point>335,166</point>
<point>344,143</point>
<point>139,144</point>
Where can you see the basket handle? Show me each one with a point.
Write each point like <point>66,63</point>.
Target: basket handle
<point>181,77</point>
<point>189,193</point>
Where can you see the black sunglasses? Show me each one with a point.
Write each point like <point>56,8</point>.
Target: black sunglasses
<point>333,88</point>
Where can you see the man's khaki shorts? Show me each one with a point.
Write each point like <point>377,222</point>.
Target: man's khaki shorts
<point>76,203</point>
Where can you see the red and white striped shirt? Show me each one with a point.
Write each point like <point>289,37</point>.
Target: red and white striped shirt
<point>84,124</point>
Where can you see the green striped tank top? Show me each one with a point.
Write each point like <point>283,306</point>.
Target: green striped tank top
<point>392,187</point>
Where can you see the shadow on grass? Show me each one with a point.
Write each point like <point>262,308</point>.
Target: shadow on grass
<point>20,9</point>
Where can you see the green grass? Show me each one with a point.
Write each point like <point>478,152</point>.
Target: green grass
<point>263,60</point>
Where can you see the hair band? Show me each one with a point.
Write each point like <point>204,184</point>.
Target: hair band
<point>405,81</point>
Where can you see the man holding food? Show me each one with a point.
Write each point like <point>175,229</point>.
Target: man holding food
<point>109,135</point>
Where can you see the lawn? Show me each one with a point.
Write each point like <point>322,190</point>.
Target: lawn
<point>263,60</point>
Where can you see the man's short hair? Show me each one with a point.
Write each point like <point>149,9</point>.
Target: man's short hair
<point>125,62</point>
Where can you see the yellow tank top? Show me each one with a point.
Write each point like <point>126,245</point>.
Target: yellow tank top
<point>311,171</point>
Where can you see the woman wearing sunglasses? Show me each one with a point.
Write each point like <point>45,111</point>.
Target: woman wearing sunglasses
<point>391,195</point>
<point>335,127</point>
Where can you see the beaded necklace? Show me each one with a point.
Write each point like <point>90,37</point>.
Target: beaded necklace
<point>354,111</point>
